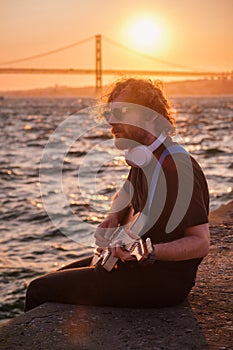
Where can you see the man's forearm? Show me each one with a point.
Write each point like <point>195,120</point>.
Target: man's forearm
<point>188,247</point>
<point>120,206</point>
<point>121,215</point>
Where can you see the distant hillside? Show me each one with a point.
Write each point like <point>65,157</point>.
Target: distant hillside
<point>202,87</point>
<point>56,91</point>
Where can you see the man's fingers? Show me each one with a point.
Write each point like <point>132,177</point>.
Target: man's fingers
<point>103,236</point>
<point>117,252</point>
<point>100,241</point>
<point>122,254</point>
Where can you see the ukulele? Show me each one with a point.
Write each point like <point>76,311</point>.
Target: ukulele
<point>136,247</point>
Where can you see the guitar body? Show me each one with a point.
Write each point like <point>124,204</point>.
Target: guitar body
<point>132,224</point>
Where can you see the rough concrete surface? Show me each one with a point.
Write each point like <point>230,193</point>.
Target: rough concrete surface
<point>69,327</point>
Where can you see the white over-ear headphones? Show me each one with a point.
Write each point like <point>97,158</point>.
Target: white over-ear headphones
<point>141,156</point>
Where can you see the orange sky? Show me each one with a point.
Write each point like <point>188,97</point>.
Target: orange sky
<point>195,33</point>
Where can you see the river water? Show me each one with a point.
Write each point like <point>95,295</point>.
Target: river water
<point>30,243</point>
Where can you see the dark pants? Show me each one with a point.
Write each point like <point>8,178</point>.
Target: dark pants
<point>131,284</point>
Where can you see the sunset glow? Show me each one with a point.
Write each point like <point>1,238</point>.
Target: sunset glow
<point>146,35</point>
<point>197,34</point>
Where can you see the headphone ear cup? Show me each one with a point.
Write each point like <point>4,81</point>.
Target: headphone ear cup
<point>139,156</point>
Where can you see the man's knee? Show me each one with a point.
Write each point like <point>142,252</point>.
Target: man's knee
<point>35,293</point>
<point>36,285</point>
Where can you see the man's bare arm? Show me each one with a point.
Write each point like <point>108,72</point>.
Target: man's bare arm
<point>194,244</point>
<point>120,205</point>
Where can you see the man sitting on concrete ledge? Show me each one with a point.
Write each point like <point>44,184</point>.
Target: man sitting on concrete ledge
<point>150,261</point>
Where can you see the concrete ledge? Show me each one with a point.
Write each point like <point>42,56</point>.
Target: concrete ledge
<point>69,327</point>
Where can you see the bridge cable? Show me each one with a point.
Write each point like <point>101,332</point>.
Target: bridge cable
<point>47,53</point>
<point>147,56</point>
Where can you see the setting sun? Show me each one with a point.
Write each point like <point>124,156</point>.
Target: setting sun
<point>145,34</point>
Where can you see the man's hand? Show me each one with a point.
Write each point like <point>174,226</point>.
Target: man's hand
<point>119,252</point>
<point>105,230</point>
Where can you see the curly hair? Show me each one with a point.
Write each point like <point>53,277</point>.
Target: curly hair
<point>143,92</point>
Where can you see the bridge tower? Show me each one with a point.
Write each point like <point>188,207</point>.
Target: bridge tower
<point>98,62</point>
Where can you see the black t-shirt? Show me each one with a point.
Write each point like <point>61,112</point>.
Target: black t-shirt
<point>180,200</point>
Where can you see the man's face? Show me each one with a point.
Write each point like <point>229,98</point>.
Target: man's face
<point>128,124</point>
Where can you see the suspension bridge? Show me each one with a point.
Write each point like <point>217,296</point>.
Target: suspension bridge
<point>177,69</point>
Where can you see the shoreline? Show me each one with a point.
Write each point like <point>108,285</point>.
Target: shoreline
<point>176,89</point>
<point>96,97</point>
